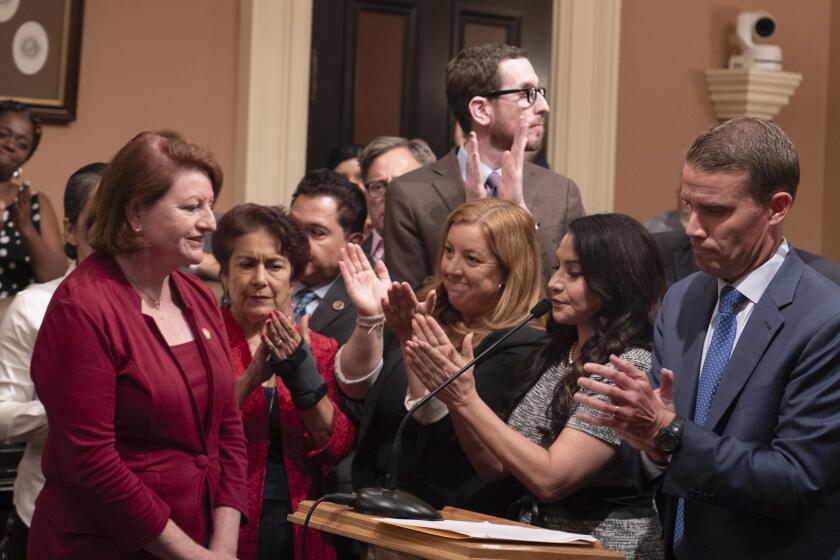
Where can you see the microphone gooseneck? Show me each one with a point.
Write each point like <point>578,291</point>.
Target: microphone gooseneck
<point>390,502</point>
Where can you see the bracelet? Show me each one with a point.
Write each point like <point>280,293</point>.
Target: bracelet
<point>373,323</point>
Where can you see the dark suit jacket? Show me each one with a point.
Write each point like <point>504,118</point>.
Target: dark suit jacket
<point>433,466</point>
<point>127,448</point>
<point>418,203</point>
<point>761,479</point>
<point>679,258</point>
<point>335,315</point>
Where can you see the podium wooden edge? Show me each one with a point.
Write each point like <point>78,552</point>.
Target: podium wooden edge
<point>341,520</point>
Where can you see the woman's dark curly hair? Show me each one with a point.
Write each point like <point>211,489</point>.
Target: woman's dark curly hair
<point>12,106</point>
<point>622,267</point>
<point>274,220</point>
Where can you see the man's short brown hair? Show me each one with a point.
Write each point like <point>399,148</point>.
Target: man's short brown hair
<point>750,144</point>
<point>475,71</point>
<point>143,170</point>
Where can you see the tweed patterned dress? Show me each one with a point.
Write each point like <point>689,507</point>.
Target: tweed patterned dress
<point>608,506</point>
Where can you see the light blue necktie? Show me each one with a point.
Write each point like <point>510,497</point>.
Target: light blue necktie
<point>491,185</point>
<point>717,357</point>
<point>304,298</point>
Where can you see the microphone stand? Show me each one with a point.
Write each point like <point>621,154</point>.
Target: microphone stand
<point>391,502</point>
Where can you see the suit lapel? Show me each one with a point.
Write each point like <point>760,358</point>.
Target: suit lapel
<point>448,183</point>
<point>763,325</point>
<point>331,307</point>
<point>697,319</point>
<point>530,187</point>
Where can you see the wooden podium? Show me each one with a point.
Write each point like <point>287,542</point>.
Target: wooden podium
<point>341,520</point>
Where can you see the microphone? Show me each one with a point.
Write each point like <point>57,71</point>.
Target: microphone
<point>390,502</point>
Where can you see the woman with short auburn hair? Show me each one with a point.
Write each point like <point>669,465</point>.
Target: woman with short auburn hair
<point>295,429</point>
<point>145,455</point>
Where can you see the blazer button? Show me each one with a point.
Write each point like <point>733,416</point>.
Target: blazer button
<point>202,461</point>
<point>692,493</point>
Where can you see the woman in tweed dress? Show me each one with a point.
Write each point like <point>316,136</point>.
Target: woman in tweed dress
<point>608,282</point>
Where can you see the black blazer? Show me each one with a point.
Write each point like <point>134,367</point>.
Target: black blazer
<point>335,315</point>
<point>679,258</point>
<point>433,466</point>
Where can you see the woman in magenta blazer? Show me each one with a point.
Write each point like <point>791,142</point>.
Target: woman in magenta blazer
<point>145,455</point>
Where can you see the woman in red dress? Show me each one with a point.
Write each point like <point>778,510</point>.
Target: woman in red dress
<point>145,455</point>
<point>295,430</point>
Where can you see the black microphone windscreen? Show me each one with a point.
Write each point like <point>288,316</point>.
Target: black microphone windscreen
<point>543,306</point>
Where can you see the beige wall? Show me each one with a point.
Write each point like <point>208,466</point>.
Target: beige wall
<point>147,65</point>
<point>665,48</point>
<point>158,63</point>
<point>831,207</point>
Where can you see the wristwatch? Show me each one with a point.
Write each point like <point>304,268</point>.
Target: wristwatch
<point>667,439</point>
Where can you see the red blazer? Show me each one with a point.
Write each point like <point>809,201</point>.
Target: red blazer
<point>306,467</point>
<point>126,450</point>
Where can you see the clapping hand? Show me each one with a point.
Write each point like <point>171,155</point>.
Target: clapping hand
<point>366,287</point>
<point>513,162</point>
<point>279,336</point>
<point>635,411</point>
<point>474,186</point>
<point>279,339</point>
<point>433,359</point>
<point>402,305</point>
<point>23,211</point>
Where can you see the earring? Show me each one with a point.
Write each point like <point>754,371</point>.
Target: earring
<point>225,301</point>
<point>138,228</point>
<point>501,287</point>
<point>17,173</point>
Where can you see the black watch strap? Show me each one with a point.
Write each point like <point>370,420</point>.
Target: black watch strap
<point>669,438</point>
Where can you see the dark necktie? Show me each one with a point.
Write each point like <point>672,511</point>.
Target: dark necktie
<point>491,185</point>
<point>717,357</point>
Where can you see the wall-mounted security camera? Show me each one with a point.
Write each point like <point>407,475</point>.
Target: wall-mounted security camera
<point>750,26</point>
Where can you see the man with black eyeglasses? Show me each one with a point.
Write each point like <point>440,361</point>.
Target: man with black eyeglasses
<point>497,99</point>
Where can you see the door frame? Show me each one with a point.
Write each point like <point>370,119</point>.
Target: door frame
<point>273,90</point>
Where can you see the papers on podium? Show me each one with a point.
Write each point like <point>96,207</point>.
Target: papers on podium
<point>484,530</point>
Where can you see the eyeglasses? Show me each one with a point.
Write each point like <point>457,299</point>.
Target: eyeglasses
<point>530,93</point>
<point>376,189</point>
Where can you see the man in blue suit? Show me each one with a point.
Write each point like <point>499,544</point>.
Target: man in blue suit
<point>743,432</point>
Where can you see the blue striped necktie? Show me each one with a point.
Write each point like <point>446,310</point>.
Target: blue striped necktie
<point>304,298</point>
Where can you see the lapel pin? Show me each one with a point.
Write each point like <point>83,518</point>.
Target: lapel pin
<point>338,305</point>
<point>206,332</point>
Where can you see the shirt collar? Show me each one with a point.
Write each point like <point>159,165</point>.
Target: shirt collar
<point>374,239</point>
<point>486,170</point>
<point>753,284</point>
<point>319,291</point>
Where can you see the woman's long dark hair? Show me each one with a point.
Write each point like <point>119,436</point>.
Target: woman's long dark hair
<point>622,266</point>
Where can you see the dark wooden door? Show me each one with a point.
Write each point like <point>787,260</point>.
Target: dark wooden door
<point>378,65</point>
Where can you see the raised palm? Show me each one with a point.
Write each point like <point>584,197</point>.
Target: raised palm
<point>366,287</point>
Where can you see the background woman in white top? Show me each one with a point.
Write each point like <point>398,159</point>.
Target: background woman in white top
<point>22,416</point>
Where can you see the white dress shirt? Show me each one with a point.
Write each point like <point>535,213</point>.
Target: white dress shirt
<point>22,416</point>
